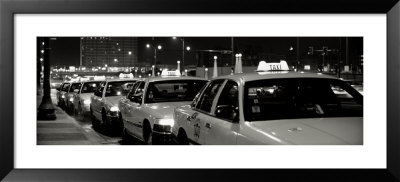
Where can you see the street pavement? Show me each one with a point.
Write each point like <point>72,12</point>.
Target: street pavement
<point>67,130</point>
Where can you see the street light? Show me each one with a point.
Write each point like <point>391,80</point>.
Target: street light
<point>159,47</point>
<point>183,50</point>
<point>115,60</point>
<point>130,52</point>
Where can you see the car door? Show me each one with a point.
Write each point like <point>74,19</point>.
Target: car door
<point>223,125</point>
<point>96,101</point>
<point>202,112</point>
<point>134,115</point>
<point>124,107</point>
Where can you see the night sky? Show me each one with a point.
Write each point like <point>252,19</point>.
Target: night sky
<point>65,50</point>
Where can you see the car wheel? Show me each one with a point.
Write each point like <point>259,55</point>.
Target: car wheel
<point>147,134</point>
<point>103,118</point>
<point>182,138</point>
<point>95,122</point>
<point>79,112</point>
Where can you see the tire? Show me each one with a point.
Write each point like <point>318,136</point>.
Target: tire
<point>103,118</point>
<point>78,112</point>
<point>147,134</point>
<point>182,138</point>
<point>125,136</point>
<point>95,122</point>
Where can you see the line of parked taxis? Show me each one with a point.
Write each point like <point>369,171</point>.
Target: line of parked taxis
<point>270,106</point>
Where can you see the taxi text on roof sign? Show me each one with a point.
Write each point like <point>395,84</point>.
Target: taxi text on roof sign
<point>281,66</point>
<point>125,75</point>
<point>170,73</point>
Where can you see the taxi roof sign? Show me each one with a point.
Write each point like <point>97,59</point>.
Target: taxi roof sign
<point>125,75</point>
<point>281,66</point>
<point>170,73</point>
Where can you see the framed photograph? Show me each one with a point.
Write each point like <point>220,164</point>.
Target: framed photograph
<point>72,74</point>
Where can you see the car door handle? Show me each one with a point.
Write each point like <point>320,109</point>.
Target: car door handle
<point>208,125</point>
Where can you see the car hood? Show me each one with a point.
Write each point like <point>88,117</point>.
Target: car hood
<point>318,131</point>
<point>164,109</point>
<point>113,100</point>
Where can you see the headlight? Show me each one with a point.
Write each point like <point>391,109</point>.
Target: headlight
<point>166,122</point>
<point>62,96</point>
<point>86,102</point>
<point>71,99</point>
<point>114,109</point>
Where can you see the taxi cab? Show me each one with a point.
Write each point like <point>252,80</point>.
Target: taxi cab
<point>64,87</point>
<point>81,100</point>
<point>272,106</point>
<point>69,96</point>
<point>104,102</point>
<point>146,112</point>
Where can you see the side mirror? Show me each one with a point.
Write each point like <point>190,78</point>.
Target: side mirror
<point>227,112</point>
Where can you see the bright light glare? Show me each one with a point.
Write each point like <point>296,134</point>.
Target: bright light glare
<point>148,45</point>
<point>166,122</point>
<point>159,47</point>
<point>114,109</point>
<point>71,99</point>
<point>188,48</point>
<point>86,102</point>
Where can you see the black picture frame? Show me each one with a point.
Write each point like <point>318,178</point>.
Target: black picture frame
<point>8,8</point>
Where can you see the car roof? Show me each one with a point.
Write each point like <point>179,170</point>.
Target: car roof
<point>121,79</point>
<point>273,75</point>
<point>164,78</point>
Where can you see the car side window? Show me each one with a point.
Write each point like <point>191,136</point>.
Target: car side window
<point>132,91</point>
<point>228,101</point>
<point>138,94</point>
<point>66,87</point>
<point>208,96</point>
<point>197,97</point>
<point>99,90</point>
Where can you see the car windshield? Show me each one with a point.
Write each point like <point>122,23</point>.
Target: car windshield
<point>119,88</point>
<point>293,98</point>
<point>65,87</point>
<point>89,87</point>
<point>173,90</point>
<point>74,86</point>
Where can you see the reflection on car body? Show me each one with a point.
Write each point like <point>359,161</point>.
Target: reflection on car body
<point>272,107</point>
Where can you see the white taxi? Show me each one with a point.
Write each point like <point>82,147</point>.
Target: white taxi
<point>272,107</point>
<point>81,100</point>
<point>104,102</point>
<point>147,110</point>
<point>60,96</point>
<point>69,96</point>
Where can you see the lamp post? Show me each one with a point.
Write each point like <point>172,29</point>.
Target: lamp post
<point>159,47</point>
<point>215,71</point>
<point>183,50</point>
<point>46,108</point>
<point>238,64</point>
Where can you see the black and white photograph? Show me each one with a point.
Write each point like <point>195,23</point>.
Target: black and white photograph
<point>200,90</point>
